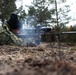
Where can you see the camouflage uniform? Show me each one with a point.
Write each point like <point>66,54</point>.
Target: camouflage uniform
<point>7,37</point>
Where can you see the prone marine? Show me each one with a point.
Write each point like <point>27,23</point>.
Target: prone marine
<point>9,30</point>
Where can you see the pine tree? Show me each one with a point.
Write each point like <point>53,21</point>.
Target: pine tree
<point>6,8</point>
<point>40,9</point>
<point>48,12</point>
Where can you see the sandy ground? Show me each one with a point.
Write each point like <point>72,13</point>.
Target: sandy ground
<point>40,60</point>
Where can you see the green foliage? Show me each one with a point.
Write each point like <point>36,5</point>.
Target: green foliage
<point>40,10</point>
<point>31,11</point>
<point>63,17</point>
<point>51,1</point>
<point>70,39</point>
<point>9,6</point>
<point>21,13</point>
<point>46,11</point>
<point>45,16</point>
<point>6,7</point>
<point>72,28</point>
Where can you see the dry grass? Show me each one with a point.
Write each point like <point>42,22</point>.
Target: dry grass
<point>40,60</point>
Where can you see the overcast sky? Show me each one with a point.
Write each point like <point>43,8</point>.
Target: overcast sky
<point>72,4</point>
